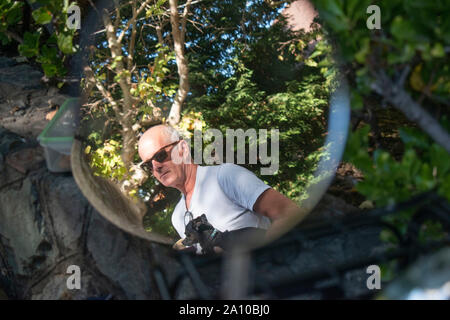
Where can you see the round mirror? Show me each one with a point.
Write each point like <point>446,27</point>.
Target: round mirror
<point>210,115</point>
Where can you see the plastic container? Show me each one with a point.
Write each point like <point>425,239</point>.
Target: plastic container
<point>57,137</point>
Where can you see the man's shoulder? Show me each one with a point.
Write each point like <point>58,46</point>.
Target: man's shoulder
<point>230,169</point>
<point>221,170</point>
<point>227,174</point>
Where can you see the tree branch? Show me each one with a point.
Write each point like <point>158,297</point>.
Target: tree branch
<point>14,35</point>
<point>183,21</point>
<point>402,101</point>
<point>91,80</point>
<point>178,44</point>
<point>129,102</point>
<point>132,40</point>
<point>117,21</point>
<point>132,20</point>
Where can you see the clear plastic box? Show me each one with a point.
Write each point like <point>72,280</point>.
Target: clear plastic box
<point>57,137</point>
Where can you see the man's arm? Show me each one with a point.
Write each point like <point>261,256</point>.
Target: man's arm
<point>282,211</point>
<point>243,187</point>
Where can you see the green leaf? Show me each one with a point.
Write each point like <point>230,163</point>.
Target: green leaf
<point>361,55</point>
<point>65,43</point>
<point>14,13</point>
<point>440,159</point>
<point>414,137</point>
<point>437,51</point>
<point>30,46</point>
<point>334,7</point>
<point>403,29</point>
<point>42,15</point>
<point>356,100</point>
<point>49,69</point>
<point>310,63</point>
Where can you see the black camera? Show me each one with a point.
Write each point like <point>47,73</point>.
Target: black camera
<point>199,230</point>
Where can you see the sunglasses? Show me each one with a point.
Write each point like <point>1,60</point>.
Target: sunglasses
<point>160,156</point>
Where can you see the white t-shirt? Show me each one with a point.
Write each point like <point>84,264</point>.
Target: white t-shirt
<point>226,194</point>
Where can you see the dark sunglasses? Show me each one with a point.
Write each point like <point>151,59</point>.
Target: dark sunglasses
<point>160,156</point>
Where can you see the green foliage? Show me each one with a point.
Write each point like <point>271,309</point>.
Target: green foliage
<point>105,157</point>
<point>414,32</point>
<point>424,166</point>
<point>161,222</point>
<point>49,50</point>
<point>413,36</point>
<point>155,9</point>
<point>50,61</point>
<point>299,111</point>
<point>30,46</point>
<point>10,15</point>
<point>42,15</point>
<point>151,86</point>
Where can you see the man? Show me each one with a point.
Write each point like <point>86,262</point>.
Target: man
<point>231,197</point>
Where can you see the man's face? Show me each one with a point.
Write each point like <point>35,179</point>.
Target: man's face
<point>167,172</point>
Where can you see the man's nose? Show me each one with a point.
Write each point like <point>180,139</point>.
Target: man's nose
<point>157,166</point>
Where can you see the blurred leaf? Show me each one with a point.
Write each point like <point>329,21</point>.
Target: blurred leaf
<point>30,46</point>
<point>65,43</point>
<point>42,15</point>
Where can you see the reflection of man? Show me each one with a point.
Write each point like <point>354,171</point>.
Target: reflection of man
<point>229,195</point>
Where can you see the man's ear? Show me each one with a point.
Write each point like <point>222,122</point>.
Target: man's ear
<point>177,153</point>
<point>185,153</point>
<point>182,148</point>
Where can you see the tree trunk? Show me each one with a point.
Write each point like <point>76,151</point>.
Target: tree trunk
<point>178,34</point>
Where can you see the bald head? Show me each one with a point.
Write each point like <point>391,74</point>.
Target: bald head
<point>155,138</point>
<point>171,170</point>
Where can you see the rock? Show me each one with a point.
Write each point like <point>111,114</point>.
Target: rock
<point>15,79</point>
<point>54,98</point>
<point>321,254</point>
<point>56,286</point>
<point>427,279</point>
<point>52,91</point>
<point>121,257</point>
<point>25,159</point>
<point>6,62</point>
<point>19,103</point>
<point>46,225</point>
<point>22,226</point>
<point>19,113</point>
<point>330,207</point>
<point>57,100</point>
<point>9,141</point>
